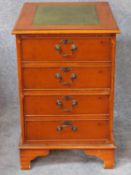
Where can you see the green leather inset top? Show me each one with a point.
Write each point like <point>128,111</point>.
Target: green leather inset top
<point>66,15</point>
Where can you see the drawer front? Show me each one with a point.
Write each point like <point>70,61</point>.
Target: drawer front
<point>47,130</point>
<point>66,49</point>
<point>66,104</point>
<point>66,77</point>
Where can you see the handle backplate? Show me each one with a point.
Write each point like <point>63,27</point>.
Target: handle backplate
<point>59,49</point>
<point>60,103</point>
<point>67,124</point>
<point>59,76</point>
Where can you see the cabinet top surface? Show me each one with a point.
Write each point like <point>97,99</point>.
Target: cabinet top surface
<point>88,17</point>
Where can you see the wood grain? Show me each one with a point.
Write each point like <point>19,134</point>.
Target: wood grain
<point>107,21</point>
<point>88,48</point>
<point>29,154</point>
<point>64,113</point>
<point>107,155</point>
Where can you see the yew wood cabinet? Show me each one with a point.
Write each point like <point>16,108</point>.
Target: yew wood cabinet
<point>66,69</point>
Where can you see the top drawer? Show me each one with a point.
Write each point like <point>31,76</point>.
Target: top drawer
<point>47,48</point>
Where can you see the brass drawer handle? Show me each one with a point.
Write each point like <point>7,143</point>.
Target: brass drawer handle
<point>74,103</point>
<point>74,47</point>
<point>66,69</point>
<point>73,76</point>
<point>59,128</point>
<point>58,76</point>
<point>58,48</point>
<point>67,124</point>
<point>60,103</point>
<point>74,128</point>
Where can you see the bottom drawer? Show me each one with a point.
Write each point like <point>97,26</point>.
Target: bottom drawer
<point>56,130</point>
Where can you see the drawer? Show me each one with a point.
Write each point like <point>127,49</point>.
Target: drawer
<point>67,77</point>
<point>62,104</point>
<point>66,48</point>
<point>79,129</point>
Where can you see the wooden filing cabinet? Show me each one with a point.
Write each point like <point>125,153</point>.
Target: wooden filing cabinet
<point>66,69</point>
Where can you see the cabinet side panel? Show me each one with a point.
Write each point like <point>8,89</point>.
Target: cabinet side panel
<point>20,84</point>
<point>113,50</point>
